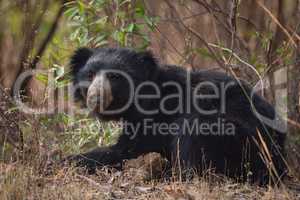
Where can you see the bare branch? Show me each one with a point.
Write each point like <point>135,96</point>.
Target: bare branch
<point>215,8</point>
<point>280,25</point>
<point>196,34</point>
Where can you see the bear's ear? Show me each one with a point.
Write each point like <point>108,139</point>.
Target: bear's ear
<point>149,62</point>
<point>79,59</point>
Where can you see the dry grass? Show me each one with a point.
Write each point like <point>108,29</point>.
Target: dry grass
<point>21,181</point>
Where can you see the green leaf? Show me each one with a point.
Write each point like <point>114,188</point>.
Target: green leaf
<point>101,40</point>
<point>140,11</point>
<point>75,34</point>
<point>130,28</point>
<point>63,83</point>
<point>145,43</point>
<point>120,37</point>
<point>71,12</point>
<point>81,7</point>
<point>102,21</point>
<point>122,2</point>
<point>42,78</point>
<point>59,71</point>
<point>99,3</point>
<point>151,21</point>
<point>121,14</point>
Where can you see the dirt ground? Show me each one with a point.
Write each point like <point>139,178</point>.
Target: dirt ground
<point>140,179</point>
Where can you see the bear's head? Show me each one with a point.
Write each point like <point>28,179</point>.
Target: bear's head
<point>105,78</point>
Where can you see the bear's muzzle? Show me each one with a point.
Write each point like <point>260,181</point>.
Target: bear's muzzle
<point>99,94</point>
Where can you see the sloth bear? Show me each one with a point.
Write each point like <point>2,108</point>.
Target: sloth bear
<point>198,120</point>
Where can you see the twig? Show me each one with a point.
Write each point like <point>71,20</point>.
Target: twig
<point>215,8</point>
<point>92,182</point>
<point>237,57</point>
<point>183,18</point>
<point>171,44</point>
<point>278,23</point>
<point>233,14</point>
<point>167,39</point>
<point>195,33</point>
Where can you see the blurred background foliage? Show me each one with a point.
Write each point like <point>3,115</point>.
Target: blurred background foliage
<point>236,36</point>
<point>42,35</point>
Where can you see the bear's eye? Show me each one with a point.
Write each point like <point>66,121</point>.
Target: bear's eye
<point>90,76</point>
<point>113,75</point>
<point>83,92</point>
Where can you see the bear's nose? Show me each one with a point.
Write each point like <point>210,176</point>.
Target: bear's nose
<point>99,94</point>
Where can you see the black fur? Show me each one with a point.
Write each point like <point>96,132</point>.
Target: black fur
<point>237,155</point>
<point>79,59</point>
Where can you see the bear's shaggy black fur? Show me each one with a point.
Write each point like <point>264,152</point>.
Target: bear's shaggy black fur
<point>249,150</point>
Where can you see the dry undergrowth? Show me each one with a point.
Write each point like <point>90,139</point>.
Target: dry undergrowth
<point>137,181</point>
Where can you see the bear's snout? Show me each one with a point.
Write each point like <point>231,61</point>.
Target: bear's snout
<point>99,94</point>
